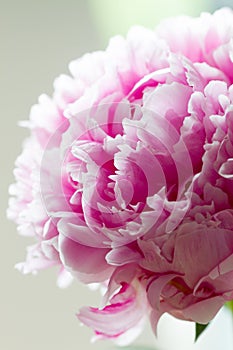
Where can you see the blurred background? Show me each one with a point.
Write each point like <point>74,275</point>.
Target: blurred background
<point>37,41</point>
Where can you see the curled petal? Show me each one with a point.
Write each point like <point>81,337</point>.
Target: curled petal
<point>125,312</point>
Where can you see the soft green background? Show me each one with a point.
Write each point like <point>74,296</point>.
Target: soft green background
<point>37,40</point>
<point>115,17</point>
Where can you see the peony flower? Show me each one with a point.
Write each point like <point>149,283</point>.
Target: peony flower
<point>125,179</point>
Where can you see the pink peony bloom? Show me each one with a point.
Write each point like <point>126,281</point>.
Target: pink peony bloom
<point>126,179</point>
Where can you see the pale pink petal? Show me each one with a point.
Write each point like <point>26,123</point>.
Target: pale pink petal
<point>203,311</point>
<point>86,263</point>
<point>123,255</point>
<point>124,313</point>
<point>76,229</point>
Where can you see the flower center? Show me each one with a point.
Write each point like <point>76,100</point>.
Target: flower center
<point>179,284</point>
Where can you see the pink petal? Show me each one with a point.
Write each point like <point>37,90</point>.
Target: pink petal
<point>88,264</point>
<point>123,255</point>
<point>155,289</point>
<point>77,230</point>
<point>203,311</point>
<point>125,312</point>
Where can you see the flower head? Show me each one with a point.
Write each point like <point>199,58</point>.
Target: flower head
<point>126,178</point>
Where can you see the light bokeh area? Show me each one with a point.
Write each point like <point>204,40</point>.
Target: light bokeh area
<point>37,41</point>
